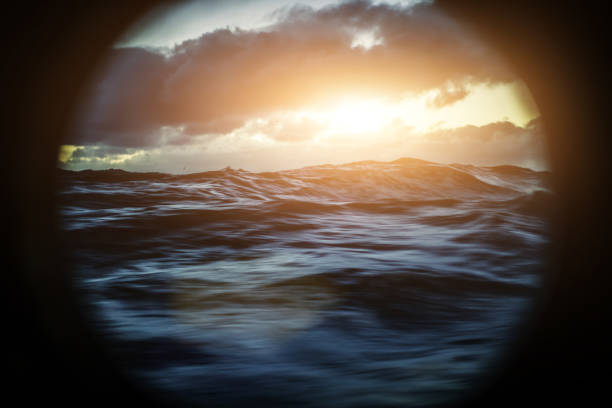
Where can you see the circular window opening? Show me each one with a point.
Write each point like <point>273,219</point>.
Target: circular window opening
<point>339,204</point>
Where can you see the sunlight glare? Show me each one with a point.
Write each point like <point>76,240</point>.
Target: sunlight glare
<point>358,116</point>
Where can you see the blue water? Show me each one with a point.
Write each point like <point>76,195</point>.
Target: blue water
<point>366,284</point>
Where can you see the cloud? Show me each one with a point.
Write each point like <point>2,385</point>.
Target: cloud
<point>217,82</point>
<point>218,126</point>
<point>489,145</point>
<point>97,152</point>
<point>448,96</point>
<point>100,154</point>
<point>283,128</point>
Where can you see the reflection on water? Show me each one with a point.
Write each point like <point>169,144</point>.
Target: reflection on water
<point>386,284</point>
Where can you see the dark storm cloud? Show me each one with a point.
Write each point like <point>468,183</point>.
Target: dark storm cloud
<point>212,84</point>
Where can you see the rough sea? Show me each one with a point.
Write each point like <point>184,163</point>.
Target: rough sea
<point>392,284</point>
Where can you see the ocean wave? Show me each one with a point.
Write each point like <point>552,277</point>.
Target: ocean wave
<point>366,271</point>
<point>361,182</point>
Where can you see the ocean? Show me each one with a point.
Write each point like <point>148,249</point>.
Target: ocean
<point>366,284</point>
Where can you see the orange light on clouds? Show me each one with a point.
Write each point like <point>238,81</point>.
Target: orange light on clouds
<point>357,115</point>
<point>348,82</point>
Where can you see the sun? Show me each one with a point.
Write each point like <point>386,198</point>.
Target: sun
<point>358,116</point>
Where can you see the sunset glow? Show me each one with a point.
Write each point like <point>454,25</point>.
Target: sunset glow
<point>297,85</point>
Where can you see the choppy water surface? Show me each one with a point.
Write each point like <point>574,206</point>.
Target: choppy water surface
<point>366,284</point>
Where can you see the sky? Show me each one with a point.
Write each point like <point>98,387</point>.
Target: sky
<point>266,85</point>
